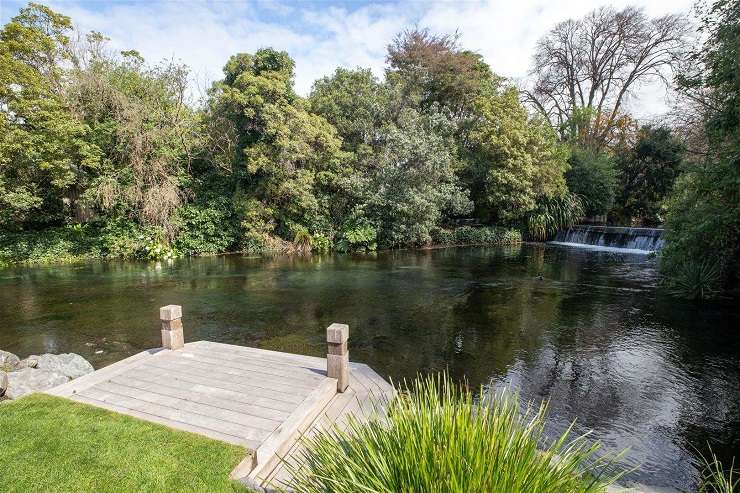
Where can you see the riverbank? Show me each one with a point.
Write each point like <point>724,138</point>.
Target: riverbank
<point>82,243</point>
<point>54,444</point>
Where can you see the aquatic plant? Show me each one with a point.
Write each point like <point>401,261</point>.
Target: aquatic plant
<point>714,477</point>
<point>696,280</point>
<point>437,436</point>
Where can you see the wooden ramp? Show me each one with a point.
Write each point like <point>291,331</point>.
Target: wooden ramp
<point>263,400</point>
<point>365,397</point>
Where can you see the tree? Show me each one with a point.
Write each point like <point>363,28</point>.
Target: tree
<point>512,160</point>
<point>139,118</point>
<point>593,177</point>
<point>646,173</point>
<point>414,179</point>
<point>44,151</point>
<point>703,212</point>
<point>283,161</point>
<point>356,103</point>
<point>433,69</point>
<point>585,69</point>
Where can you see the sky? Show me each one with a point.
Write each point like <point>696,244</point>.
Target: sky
<point>321,35</point>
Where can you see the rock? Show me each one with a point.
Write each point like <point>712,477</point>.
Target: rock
<point>27,363</point>
<point>29,380</point>
<point>70,365</point>
<point>3,383</point>
<point>8,361</point>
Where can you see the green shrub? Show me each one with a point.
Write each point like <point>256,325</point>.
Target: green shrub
<point>552,215</point>
<point>469,235</point>
<point>303,241</point>
<point>358,236</point>
<point>63,244</point>
<point>438,437</point>
<point>206,228</point>
<point>696,280</point>
<point>321,244</point>
<point>593,177</point>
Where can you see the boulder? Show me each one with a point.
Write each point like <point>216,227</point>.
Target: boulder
<point>28,363</point>
<point>29,380</point>
<point>3,383</point>
<point>8,361</point>
<point>69,364</point>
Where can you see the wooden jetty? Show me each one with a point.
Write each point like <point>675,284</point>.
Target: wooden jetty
<point>263,400</point>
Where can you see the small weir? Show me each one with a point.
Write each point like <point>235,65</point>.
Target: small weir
<point>631,240</point>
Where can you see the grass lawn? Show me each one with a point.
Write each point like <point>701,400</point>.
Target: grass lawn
<point>53,444</point>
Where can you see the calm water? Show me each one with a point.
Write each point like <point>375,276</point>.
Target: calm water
<point>594,334</point>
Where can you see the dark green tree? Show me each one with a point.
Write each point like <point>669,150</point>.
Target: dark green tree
<point>646,173</point>
<point>593,177</point>
<point>703,218</point>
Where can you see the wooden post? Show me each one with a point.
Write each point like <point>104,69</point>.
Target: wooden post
<point>172,336</point>
<point>337,358</point>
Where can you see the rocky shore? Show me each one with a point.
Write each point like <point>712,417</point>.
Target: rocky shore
<point>19,377</point>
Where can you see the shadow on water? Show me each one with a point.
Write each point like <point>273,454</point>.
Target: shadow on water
<point>587,330</point>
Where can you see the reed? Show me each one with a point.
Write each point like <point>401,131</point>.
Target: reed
<point>438,437</point>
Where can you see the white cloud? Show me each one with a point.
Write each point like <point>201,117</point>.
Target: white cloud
<point>321,37</point>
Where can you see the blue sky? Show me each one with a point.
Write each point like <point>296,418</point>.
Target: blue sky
<point>321,35</point>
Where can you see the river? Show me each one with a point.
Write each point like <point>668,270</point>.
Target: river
<point>589,330</point>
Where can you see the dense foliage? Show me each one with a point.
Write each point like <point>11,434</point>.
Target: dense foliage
<point>437,437</point>
<point>703,216</point>
<point>103,154</point>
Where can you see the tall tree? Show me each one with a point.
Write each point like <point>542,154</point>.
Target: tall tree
<point>703,219</point>
<point>413,179</point>
<point>585,69</point>
<point>646,173</point>
<point>139,117</point>
<point>512,161</point>
<point>433,69</point>
<point>44,150</point>
<point>282,159</point>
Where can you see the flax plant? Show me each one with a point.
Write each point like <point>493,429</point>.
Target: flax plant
<point>437,437</point>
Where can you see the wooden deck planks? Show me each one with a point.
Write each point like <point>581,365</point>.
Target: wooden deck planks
<point>261,399</point>
<point>207,395</point>
<point>366,396</point>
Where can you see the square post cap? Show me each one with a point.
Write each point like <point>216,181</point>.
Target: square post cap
<point>337,333</point>
<point>170,312</point>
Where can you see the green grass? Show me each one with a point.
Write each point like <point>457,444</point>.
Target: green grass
<point>437,437</point>
<point>53,444</point>
<point>717,479</point>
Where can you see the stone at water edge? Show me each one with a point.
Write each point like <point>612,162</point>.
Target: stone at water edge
<point>29,380</point>
<point>8,361</point>
<point>70,365</point>
<point>28,363</point>
<point>3,383</point>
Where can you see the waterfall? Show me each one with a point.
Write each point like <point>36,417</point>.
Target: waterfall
<point>632,240</point>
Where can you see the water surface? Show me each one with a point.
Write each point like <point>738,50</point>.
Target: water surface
<point>587,329</point>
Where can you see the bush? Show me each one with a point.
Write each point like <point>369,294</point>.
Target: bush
<point>552,215</point>
<point>123,238</point>
<point>63,244</point>
<point>696,280</point>
<point>357,236</point>
<point>469,235</point>
<point>206,228</point>
<point>320,243</point>
<point>438,437</point>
